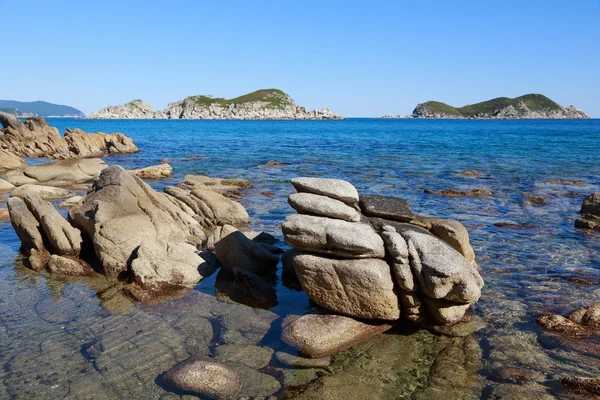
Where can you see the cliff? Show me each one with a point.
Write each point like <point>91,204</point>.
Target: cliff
<point>529,106</point>
<point>267,104</point>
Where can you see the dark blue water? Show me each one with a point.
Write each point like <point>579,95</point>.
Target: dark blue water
<point>527,251</point>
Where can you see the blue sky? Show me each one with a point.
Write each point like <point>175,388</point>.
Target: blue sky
<point>359,58</point>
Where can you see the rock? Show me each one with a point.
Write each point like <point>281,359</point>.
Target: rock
<point>445,312</point>
<point>397,249</point>
<point>332,237</point>
<point>274,163</point>
<point>591,385</point>
<point>237,251</point>
<point>455,234</point>
<point>441,272</point>
<point>591,317</point>
<point>333,188</point>
<point>153,172</point>
<point>262,293</point>
<point>35,138</point>
<point>192,182</point>
<point>6,186</point>
<point>464,193</point>
<point>563,326</point>
<point>10,161</point>
<point>358,288</point>
<point>61,237</point>
<point>121,212</point>
<point>255,357</point>
<point>70,266</point>
<point>534,199</point>
<point>319,336</point>
<point>308,203</point>
<point>71,201</point>
<point>17,178</point>
<point>470,173</point>
<point>44,192</point>
<point>66,172</point>
<point>157,264</point>
<point>135,109</point>
<point>588,222</point>
<point>255,384</point>
<point>210,208</point>
<point>4,214</point>
<point>386,207</point>
<point>294,361</point>
<point>577,315</point>
<point>591,205</point>
<point>205,377</point>
<point>26,226</point>
<point>460,329</point>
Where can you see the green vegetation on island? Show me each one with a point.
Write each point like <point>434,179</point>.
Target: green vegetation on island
<point>529,106</point>
<point>275,97</point>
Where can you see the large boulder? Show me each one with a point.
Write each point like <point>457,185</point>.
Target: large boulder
<point>158,264</point>
<point>332,237</point>
<point>453,233</point>
<point>26,226</point>
<point>85,145</point>
<point>441,272</point>
<point>386,207</point>
<point>66,172</point>
<point>333,188</point>
<point>44,192</point>
<point>205,377</point>
<point>322,335</point>
<point>121,212</point>
<point>359,288</point>
<point>6,186</point>
<point>61,237</point>
<point>210,208</point>
<point>308,203</point>
<point>237,251</point>
<point>10,161</point>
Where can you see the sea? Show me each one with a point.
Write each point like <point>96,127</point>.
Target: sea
<point>83,339</point>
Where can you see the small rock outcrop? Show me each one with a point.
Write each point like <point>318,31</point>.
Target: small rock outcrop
<point>153,172</point>
<point>9,161</point>
<point>590,210</point>
<point>266,104</point>
<point>385,262</point>
<point>34,138</point>
<point>583,321</point>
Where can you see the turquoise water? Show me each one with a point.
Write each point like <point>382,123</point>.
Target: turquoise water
<point>528,252</point>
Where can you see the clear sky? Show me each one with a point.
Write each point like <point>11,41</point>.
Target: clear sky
<point>359,58</point>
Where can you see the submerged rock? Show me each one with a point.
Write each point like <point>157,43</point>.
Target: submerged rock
<point>591,385</point>
<point>296,361</point>
<point>205,377</point>
<point>464,193</point>
<point>255,357</point>
<point>322,335</point>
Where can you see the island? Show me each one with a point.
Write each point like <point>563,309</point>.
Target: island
<point>529,106</point>
<point>40,109</point>
<point>264,104</point>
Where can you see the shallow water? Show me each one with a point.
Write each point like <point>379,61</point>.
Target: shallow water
<point>82,339</point>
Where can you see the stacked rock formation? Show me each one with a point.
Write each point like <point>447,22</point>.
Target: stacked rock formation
<point>35,138</point>
<point>123,226</point>
<point>591,213</point>
<point>371,257</point>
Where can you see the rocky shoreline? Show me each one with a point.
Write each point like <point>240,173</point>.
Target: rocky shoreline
<point>270,104</point>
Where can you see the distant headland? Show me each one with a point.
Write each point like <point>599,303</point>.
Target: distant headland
<point>266,104</point>
<point>529,106</point>
<point>39,108</point>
